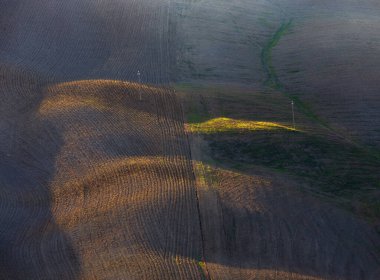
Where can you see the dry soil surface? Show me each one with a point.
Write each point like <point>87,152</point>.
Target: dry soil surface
<point>96,181</point>
<point>96,174</point>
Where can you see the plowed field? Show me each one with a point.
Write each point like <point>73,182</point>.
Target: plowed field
<point>101,178</point>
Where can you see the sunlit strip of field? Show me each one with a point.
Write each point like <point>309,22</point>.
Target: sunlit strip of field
<point>221,125</point>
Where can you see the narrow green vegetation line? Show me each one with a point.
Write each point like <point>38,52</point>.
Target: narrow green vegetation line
<point>344,171</point>
<point>272,78</point>
<point>266,55</point>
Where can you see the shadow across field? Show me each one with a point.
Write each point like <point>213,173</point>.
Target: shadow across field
<point>248,127</point>
<point>332,167</point>
<point>123,187</point>
<point>259,225</point>
<point>116,198</point>
<point>32,245</point>
<point>268,194</point>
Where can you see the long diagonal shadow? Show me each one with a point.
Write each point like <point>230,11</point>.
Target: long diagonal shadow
<point>32,245</point>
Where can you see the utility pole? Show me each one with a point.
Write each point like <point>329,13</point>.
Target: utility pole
<point>139,78</point>
<point>294,123</point>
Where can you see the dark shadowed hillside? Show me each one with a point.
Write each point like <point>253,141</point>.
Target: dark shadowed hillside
<point>195,169</point>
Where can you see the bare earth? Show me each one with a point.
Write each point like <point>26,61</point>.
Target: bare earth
<point>99,178</point>
<point>95,184</point>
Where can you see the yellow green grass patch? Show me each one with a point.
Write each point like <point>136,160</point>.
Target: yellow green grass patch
<point>220,125</point>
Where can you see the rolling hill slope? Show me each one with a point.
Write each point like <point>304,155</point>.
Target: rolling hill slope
<point>95,183</point>
<point>102,177</point>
